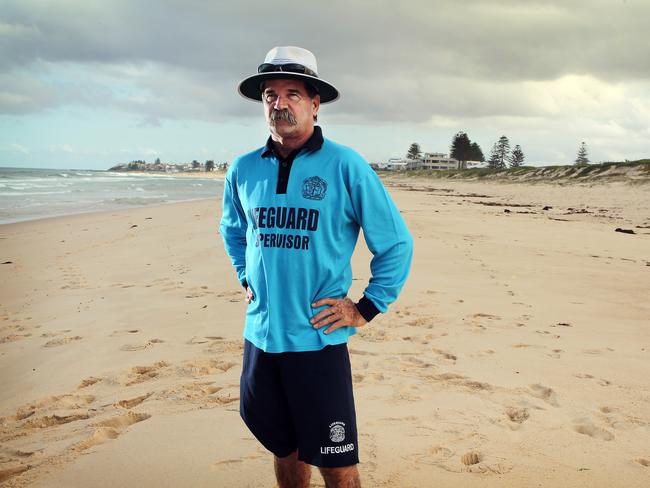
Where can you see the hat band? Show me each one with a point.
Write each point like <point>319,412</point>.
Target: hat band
<point>288,68</point>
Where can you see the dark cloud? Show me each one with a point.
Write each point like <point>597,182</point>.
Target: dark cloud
<point>401,61</point>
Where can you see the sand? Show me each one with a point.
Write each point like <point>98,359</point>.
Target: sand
<point>518,354</point>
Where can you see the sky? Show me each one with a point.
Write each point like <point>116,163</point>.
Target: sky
<point>90,84</point>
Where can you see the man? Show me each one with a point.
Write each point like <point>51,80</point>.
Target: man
<point>292,211</point>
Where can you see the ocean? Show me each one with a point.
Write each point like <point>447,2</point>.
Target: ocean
<point>33,193</point>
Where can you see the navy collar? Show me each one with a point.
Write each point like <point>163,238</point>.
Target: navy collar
<point>314,143</point>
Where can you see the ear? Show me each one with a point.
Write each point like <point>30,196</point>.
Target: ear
<point>315,105</point>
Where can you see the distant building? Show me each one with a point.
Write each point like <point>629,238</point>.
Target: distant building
<point>476,164</point>
<point>434,161</point>
<point>399,164</point>
<point>438,161</point>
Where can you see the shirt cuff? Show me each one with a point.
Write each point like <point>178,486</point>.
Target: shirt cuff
<point>366,308</point>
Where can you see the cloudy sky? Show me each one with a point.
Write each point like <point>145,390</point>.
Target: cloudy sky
<point>92,83</point>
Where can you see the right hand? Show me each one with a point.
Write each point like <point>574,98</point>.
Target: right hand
<point>249,295</point>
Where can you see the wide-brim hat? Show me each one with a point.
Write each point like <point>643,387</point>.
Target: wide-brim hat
<point>288,62</point>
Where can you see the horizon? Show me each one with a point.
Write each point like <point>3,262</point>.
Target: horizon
<point>163,83</point>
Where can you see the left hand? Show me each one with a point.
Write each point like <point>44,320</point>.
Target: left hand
<point>340,313</point>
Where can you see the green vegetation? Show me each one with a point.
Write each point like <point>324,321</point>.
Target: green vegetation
<point>543,173</point>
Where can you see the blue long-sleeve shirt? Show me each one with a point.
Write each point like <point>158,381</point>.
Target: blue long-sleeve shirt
<point>290,232</point>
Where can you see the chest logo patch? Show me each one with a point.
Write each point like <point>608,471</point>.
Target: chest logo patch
<point>314,188</point>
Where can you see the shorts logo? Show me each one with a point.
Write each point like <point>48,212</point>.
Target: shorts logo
<point>314,188</point>
<point>337,431</point>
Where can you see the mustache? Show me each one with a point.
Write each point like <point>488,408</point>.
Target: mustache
<point>283,114</point>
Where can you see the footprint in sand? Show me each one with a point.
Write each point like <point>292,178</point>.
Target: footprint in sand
<point>88,382</point>
<point>60,402</point>
<point>517,415</point>
<point>586,427</point>
<point>470,458</point>
<point>358,378</point>
<point>432,456</point>
<point>544,393</point>
<point>55,333</point>
<point>140,347</point>
<point>477,320</point>
<point>110,429</point>
<point>62,341</point>
<point>641,461</point>
<point>455,379</point>
<point>555,353</point>
<point>424,322</point>
<point>132,402</point>
<point>598,352</point>
<point>600,381</point>
<point>204,340</point>
<point>619,421</point>
<point>204,367</point>
<point>124,331</point>
<point>139,374</point>
<point>54,420</point>
<point>446,355</point>
<point>13,338</point>
<point>415,339</point>
<point>8,473</point>
<point>204,393</point>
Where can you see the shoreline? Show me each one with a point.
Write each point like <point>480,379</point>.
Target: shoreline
<point>123,208</point>
<point>183,174</point>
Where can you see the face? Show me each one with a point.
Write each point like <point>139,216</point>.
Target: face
<point>291,95</point>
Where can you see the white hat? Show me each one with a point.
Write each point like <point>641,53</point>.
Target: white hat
<point>288,62</point>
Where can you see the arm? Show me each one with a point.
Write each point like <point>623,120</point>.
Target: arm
<point>387,238</point>
<point>392,247</point>
<point>233,227</point>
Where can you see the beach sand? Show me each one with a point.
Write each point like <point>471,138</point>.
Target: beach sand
<point>518,354</point>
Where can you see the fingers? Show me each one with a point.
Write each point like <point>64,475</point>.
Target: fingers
<point>325,301</point>
<point>336,325</point>
<point>336,313</point>
<point>340,313</point>
<point>322,314</point>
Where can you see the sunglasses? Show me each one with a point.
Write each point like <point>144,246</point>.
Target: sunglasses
<point>287,68</point>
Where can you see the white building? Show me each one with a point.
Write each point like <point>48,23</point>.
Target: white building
<point>436,161</point>
<point>399,164</point>
<point>476,164</point>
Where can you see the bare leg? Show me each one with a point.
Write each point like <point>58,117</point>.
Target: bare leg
<point>291,472</point>
<point>346,477</point>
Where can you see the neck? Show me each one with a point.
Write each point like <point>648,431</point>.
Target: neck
<point>284,145</point>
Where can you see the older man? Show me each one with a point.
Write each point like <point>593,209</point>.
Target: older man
<point>292,211</point>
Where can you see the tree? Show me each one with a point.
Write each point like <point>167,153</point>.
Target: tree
<point>503,147</point>
<point>582,158</point>
<point>517,157</point>
<point>475,153</point>
<point>461,148</point>
<point>157,161</point>
<point>494,162</point>
<point>195,164</point>
<point>414,151</point>
<point>209,165</point>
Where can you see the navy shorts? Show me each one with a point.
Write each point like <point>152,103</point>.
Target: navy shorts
<point>301,401</point>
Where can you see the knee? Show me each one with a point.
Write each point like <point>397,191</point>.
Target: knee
<point>347,476</point>
<point>289,459</point>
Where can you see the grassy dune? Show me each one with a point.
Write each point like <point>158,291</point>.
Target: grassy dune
<point>630,171</point>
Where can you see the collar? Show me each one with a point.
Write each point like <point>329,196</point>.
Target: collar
<point>314,143</point>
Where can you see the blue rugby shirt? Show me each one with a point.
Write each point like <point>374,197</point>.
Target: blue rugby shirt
<point>290,233</point>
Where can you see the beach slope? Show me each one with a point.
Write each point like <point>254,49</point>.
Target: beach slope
<point>516,356</point>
